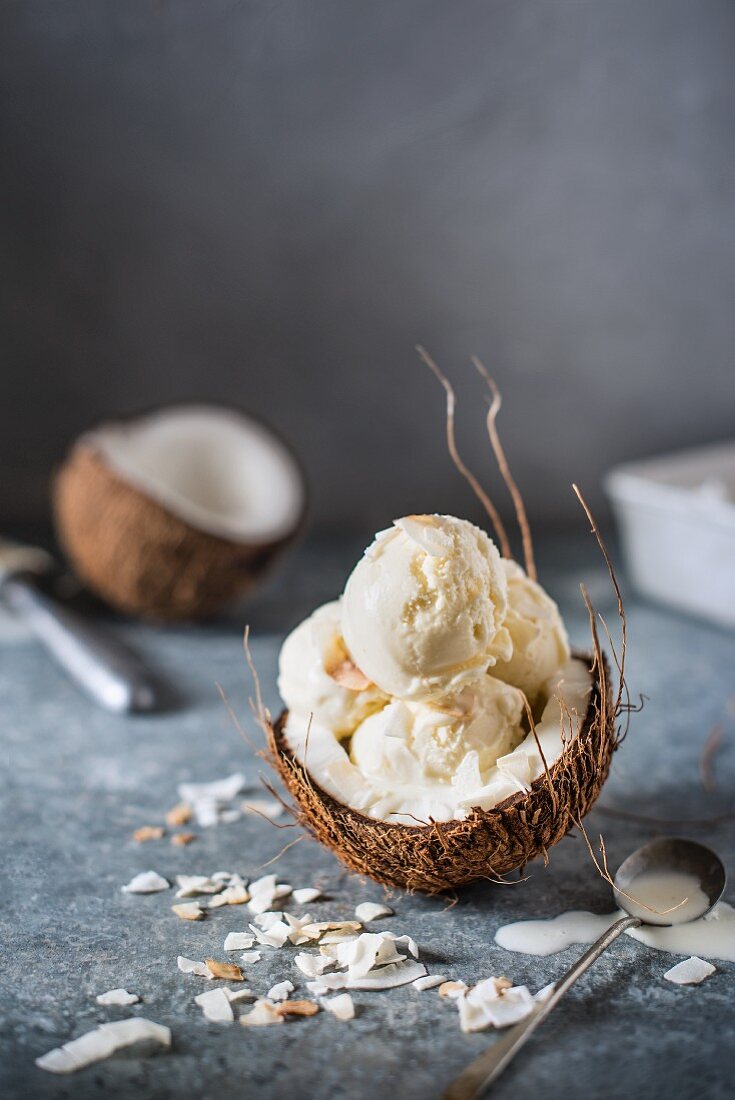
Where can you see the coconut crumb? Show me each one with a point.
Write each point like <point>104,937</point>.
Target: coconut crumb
<point>147,882</point>
<point>191,966</point>
<point>101,1042</point>
<point>231,895</point>
<point>236,995</point>
<point>312,965</point>
<point>117,997</point>
<point>180,840</point>
<point>263,1014</point>
<point>180,814</point>
<point>275,936</point>
<point>228,971</point>
<point>238,941</point>
<point>215,1004</point>
<point>189,910</point>
<point>189,886</point>
<point>297,1008</point>
<point>429,981</point>
<point>249,958</point>
<point>280,991</point>
<point>452,990</point>
<point>342,1006</point>
<point>306,895</point>
<point>148,832</point>
<point>690,971</point>
<point>371,910</point>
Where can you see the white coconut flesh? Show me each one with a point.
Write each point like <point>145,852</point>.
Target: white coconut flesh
<point>328,762</point>
<point>215,469</point>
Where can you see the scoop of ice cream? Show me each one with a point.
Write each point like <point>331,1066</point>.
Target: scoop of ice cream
<point>425,743</point>
<point>540,641</point>
<point>424,608</point>
<point>316,675</point>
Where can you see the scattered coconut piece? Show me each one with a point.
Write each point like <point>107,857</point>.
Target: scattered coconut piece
<point>189,886</point>
<point>369,950</point>
<point>101,1042</point>
<point>237,941</point>
<point>297,1008</point>
<point>452,990</point>
<point>275,936</point>
<point>341,1006</point>
<point>231,972</point>
<point>218,790</point>
<point>264,807</point>
<point>148,832</point>
<point>371,910</point>
<point>306,895</point>
<point>280,991</point>
<point>544,993</point>
<point>267,920</point>
<point>492,1003</point>
<point>235,995</point>
<point>429,981</point>
<point>191,966</point>
<point>312,965</point>
<point>690,971</point>
<point>147,882</point>
<point>189,910</point>
<point>249,958</point>
<point>180,814</point>
<point>117,997</point>
<point>385,977</point>
<point>231,895</point>
<point>182,839</point>
<point>263,1014</point>
<point>215,1004</point>
<point>331,931</point>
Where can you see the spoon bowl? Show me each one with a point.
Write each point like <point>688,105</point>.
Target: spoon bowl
<point>670,880</point>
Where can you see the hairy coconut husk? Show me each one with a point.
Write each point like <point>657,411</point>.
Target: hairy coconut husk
<point>137,555</point>
<point>487,844</point>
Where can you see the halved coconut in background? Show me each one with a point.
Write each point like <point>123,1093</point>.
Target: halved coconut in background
<point>177,513</point>
<point>487,844</point>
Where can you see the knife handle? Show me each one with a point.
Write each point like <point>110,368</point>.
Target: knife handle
<point>102,666</point>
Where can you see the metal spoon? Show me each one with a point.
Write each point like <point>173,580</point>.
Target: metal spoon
<point>662,855</point>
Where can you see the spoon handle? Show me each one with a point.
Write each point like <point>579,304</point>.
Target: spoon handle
<point>473,1081</point>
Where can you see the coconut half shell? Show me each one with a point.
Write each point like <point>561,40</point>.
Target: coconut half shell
<point>178,513</point>
<point>487,843</point>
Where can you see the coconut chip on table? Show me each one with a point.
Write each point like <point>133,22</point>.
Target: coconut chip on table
<point>148,832</point>
<point>228,971</point>
<point>117,997</point>
<point>497,1003</point>
<point>238,941</point>
<point>192,966</point>
<point>429,981</point>
<point>208,800</point>
<point>179,815</point>
<point>297,1008</point>
<point>372,910</point>
<point>147,882</point>
<point>191,886</point>
<point>306,895</point>
<point>690,971</point>
<point>249,958</point>
<point>231,895</point>
<point>342,1006</point>
<point>179,840</point>
<point>215,1004</point>
<point>189,910</point>
<point>280,991</point>
<point>101,1042</point>
<point>263,1014</point>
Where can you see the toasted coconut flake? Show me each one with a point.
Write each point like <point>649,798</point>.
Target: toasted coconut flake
<point>690,971</point>
<point>215,1004</point>
<point>297,1008</point>
<point>430,981</point>
<point>101,1042</point>
<point>191,966</point>
<point>335,929</point>
<point>189,910</point>
<point>264,807</point>
<point>148,832</point>
<point>250,958</point>
<point>341,1006</point>
<point>192,885</point>
<point>372,910</point>
<point>117,997</point>
<point>180,840</point>
<point>230,972</point>
<point>274,937</point>
<point>147,882</point>
<point>346,673</point>
<point>280,991</point>
<point>384,977</point>
<point>452,990</point>
<point>263,1014</point>
<point>231,895</point>
<point>238,941</point>
<point>306,895</point>
<point>180,814</point>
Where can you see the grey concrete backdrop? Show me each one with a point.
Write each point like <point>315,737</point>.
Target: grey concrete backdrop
<point>270,203</point>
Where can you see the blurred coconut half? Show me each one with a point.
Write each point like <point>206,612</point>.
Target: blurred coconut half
<point>177,513</point>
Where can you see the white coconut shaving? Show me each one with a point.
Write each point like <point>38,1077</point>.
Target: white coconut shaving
<point>234,894</point>
<point>189,886</point>
<point>384,977</point>
<point>117,997</point>
<point>188,910</point>
<point>266,893</point>
<point>238,941</point>
<point>147,882</point>
<point>241,994</point>
<point>249,958</point>
<point>690,971</point>
<point>215,1004</point>
<point>489,1004</point>
<point>372,910</point>
<point>430,981</point>
<point>264,807</point>
<point>280,991</point>
<point>312,965</point>
<point>306,895</point>
<point>208,800</point>
<point>191,966</point>
<point>101,1042</point>
<point>275,936</point>
<point>341,1006</point>
<point>263,1014</point>
<point>452,990</point>
<point>369,950</point>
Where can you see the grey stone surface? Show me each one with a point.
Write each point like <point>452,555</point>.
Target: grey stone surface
<point>76,782</point>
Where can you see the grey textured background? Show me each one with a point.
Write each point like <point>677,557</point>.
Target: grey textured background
<point>270,203</point>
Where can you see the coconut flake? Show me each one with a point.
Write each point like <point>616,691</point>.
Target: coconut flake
<point>230,972</point>
<point>231,895</point>
<point>492,1004</point>
<point>218,790</point>
<point>179,814</point>
<point>189,886</point>
<point>147,882</point>
<point>188,910</point>
<point>249,958</point>
<point>280,991</point>
<point>236,995</point>
<point>341,1006</point>
<point>101,1042</point>
<point>306,895</point>
<point>297,1008</point>
<point>117,997</point>
<point>148,832</point>
<point>274,937</point>
<point>452,990</point>
<point>191,966</point>
<point>215,1004</point>
<point>265,807</point>
<point>182,839</point>
<point>263,1014</point>
<point>385,977</point>
<point>237,941</point>
<point>690,971</point>
<point>369,950</point>
<point>430,981</point>
<point>371,910</point>
<point>312,965</point>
